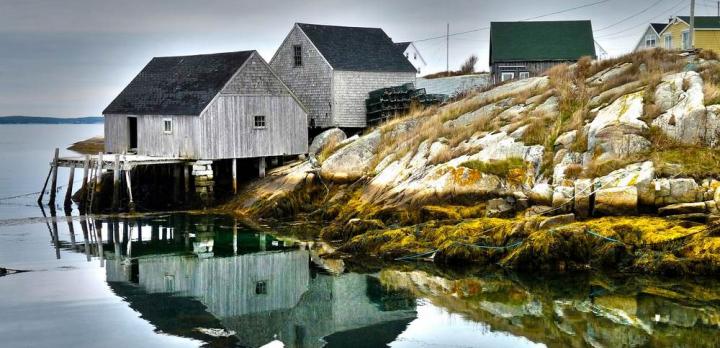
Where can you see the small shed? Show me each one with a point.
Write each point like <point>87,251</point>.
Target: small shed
<point>211,106</point>
<point>524,49</point>
<point>333,68</point>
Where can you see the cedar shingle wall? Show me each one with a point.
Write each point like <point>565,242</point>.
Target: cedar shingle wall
<point>351,89</point>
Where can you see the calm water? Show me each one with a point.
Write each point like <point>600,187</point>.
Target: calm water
<point>206,280</point>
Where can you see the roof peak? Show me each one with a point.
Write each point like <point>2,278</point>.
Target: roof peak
<point>208,54</point>
<point>337,26</point>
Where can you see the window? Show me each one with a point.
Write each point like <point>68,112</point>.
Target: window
<point>524,74</point>
<point>259,121</point>
<point>507,76</point>
<point>686,40</point>
<point>297,55</point>
<point>260,288</point>
<point>167,125</point>
<point>668,41</point>
<point>650,40</point>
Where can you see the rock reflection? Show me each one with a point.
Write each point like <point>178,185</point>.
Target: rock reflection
<point>577,311</point>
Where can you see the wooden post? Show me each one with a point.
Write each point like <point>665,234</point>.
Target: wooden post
<point>235,237</point>
<point>42,193</point>
<point>131,204</point>
<point>56,236</point>
<point>86,173</point>
<point>234,176</point>
<point>116,184</point>
<point>69,189</point>
<point>176,172</point>
<point>84,227</point>
<point>261,167</point>
<point>71,230</point>
<point>53,186</point>
<point>98,181</point>
<point>99,240</point>
<point>186,177</point>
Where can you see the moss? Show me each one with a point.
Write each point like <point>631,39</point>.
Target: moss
<point>501,168</point>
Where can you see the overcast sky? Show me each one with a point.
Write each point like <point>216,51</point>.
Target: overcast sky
<point>72,57</point>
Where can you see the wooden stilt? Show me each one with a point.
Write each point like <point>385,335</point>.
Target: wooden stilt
<point>71,230</point>
<point>42,193</point>
<point>84,227</point>
<point>53,186</point>
<point>56,236</point>
<point>86,172</point>
<point>235,237</point>
<point>234,176</point>
<point>69,189</point>
<point>261,167</point>
<point>139,231</point>
<point>186,178</point>
<point>131,204</point>
<point>176,172</point>
<point>98,181</point>
<point>116,184</point>
<point>99,239</point>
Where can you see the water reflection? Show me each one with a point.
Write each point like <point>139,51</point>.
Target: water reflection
<point>211,279</point>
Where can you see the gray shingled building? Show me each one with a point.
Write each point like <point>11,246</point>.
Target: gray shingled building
<point>211,106</point>
<point>332,68</point>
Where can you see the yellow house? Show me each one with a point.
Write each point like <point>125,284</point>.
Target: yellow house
<point>677,33</point>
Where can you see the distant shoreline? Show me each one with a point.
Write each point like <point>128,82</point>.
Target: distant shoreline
<point>49,120</point>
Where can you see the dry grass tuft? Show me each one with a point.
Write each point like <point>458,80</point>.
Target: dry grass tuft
<point>501,168</point>
<point>573,171</point>
<point>712,93</point>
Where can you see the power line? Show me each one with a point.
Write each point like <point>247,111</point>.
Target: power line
<point>676,7</point>
<point>526,19</point>
<point>630,16</point>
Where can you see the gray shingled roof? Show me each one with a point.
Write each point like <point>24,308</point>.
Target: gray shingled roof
<point>402,46</point>
<point>357,49</point>
<point>182,85</point>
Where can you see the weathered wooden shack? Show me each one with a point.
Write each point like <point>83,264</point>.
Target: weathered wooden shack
<point>523,49</point>
<point>207,107</point>
<point>332,69</point>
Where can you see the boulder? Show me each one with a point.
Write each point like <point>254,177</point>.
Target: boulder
<point>499,146</point>
<point>566,139</point>
<point>537,210</point>
<point>583,190</point>
<point>683,208</point>
<point>352,161</point>
<point>685,118</point>
<point>548,107</point>
<point>484,112</point>
<point>513,112</point>
<point>557,220</point>
<point>330,137</point>
<point>568,158</point>
<point>616,129</point>
<point>541,194</point>
<point>639,175</point>
<point>438,150</point>
<point>512,88</point>
<point>672,191</point>
<point>616,201</point>
<point>498,207</point>
<point>611,93</point>
<point>608,74</point>
<point>562,198</point>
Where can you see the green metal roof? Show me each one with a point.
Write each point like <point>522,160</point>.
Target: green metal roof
<point>533,41</point>
<point>703,22</point>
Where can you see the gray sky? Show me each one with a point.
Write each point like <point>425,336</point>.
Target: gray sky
<point>72,57</point>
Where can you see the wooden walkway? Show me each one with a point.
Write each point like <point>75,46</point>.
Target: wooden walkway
<point>108,161</point>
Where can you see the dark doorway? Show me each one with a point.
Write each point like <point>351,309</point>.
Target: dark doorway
<point>132,127</point>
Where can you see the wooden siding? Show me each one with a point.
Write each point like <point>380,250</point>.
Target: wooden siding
<point>229,122</point>
<point>311,82</point>
<point>707,39</point>
<point>226,128</point>
<point>641,44</point>
<point>675,31</point>
<point>535,68</point>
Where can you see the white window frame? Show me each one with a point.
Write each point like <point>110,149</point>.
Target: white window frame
<point>668,41</point>
<point>524,75</point>
<point>167,121</point>
<point>685,38</point>
<point>255,122</point>
<point>506,73</point>
<point>650,40</point>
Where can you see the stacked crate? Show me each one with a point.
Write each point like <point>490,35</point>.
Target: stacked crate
<point>388,102</point>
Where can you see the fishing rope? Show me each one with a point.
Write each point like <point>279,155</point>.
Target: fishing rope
<point>38,192</point>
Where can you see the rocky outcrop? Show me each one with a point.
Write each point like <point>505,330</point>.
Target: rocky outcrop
<point>616,201</point>
<point>352,161</point>
<point>609,74</point>
<point>616,129</point>
<point>330,137</point>
<point>681,96</point>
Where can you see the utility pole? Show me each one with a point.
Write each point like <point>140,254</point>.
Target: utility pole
<point>692,24</point>
<point>718,3</point>
<point>447,51</point>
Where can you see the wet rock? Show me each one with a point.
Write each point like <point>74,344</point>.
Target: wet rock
<point>583,190</point>
<point>557,220</point>
<point>541,194</point>
<point>562,198</point>
<point>498,207</point>
<point>352,161</point>
<point>616,201</point>
<point>616,129</point>
<point>683,208</point>
<point>331,136</point>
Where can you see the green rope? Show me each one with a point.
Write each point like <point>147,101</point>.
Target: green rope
<point>416,255</point>
<point>492,247</point>
<point>603,237</point>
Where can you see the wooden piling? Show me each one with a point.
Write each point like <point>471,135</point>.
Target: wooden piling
<point>186,177</point>
<point>131,204</point>
<point>69,190</point>
<point>261,167</point>
<point>47,178</point>
<point>53,186</point>
<point>176,172</point>
<point>116,185</point>
<point>84,227</point>
<point>86,173</point>
<point>234,176</point>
